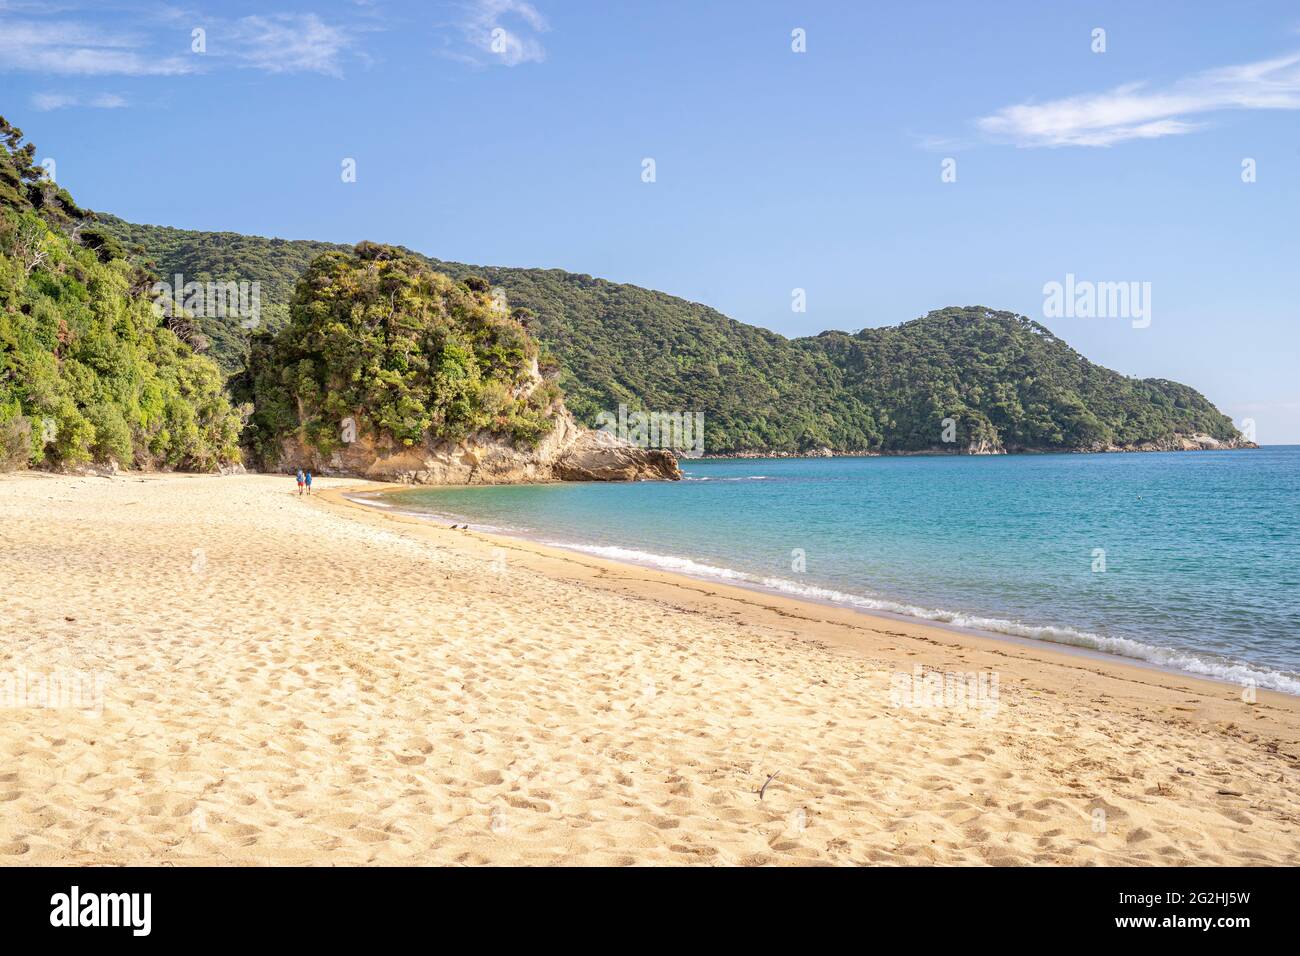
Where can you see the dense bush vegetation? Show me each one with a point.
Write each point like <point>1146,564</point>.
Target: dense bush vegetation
<point>377,336</point>
<point>88,371</point>
<point>1001,377</point>
<point>205,257</point>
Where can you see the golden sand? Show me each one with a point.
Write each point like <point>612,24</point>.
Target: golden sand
<point>283,680</point>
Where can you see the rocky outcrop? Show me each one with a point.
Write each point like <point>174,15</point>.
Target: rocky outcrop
<point>985,447</point>
<point>1176,442</point>
<point>569,452</point>
<point>600,456</point>
<point>1207,443</point>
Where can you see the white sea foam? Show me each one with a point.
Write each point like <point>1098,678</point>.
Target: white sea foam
<point>1222,669</point>
<point>370,502</point>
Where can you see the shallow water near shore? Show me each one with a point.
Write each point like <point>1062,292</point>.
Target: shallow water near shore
<point>1187,560</point>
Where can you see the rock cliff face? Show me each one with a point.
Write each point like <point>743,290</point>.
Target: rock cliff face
<point>1186,443</point>
<point>568,453</point>
<point>1176,442</point>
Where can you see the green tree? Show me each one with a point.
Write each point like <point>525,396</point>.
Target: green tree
<point>407,353</point>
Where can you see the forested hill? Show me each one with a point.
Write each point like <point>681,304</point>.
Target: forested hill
<point>89,372</point>
<point>1003,380</point>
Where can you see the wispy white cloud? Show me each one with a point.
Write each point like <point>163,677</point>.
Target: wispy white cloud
<point>53,101</point>
<point>60,101</point>
<point>272,43</point>
<point>1139,111</point>
<point>502,31</point>
<point>289,43</point>
<point>71,48</point>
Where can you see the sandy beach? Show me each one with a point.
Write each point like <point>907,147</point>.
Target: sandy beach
<point>210,670</point>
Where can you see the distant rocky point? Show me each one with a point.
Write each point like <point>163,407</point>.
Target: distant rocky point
<point>1194,442</point>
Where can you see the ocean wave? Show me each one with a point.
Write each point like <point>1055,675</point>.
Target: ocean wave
<point>369,502</point>
<point>738,478</point>
<point>1235,672</point>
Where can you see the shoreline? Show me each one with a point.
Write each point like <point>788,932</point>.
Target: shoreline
<point>311,681</point>
<point>381,490</point>
<point>955,453</point>
<point>834,621</point>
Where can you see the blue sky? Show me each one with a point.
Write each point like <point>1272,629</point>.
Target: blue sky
<point>774,170</point>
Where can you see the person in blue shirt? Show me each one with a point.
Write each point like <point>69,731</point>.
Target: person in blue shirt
<point>300,482</point>
<point>308,480</point>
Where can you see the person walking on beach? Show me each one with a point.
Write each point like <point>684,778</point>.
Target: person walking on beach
<point>308,481</point>
<point>300,479</point>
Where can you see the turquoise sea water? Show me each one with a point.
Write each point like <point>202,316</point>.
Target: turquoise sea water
<point>1201,549</point>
